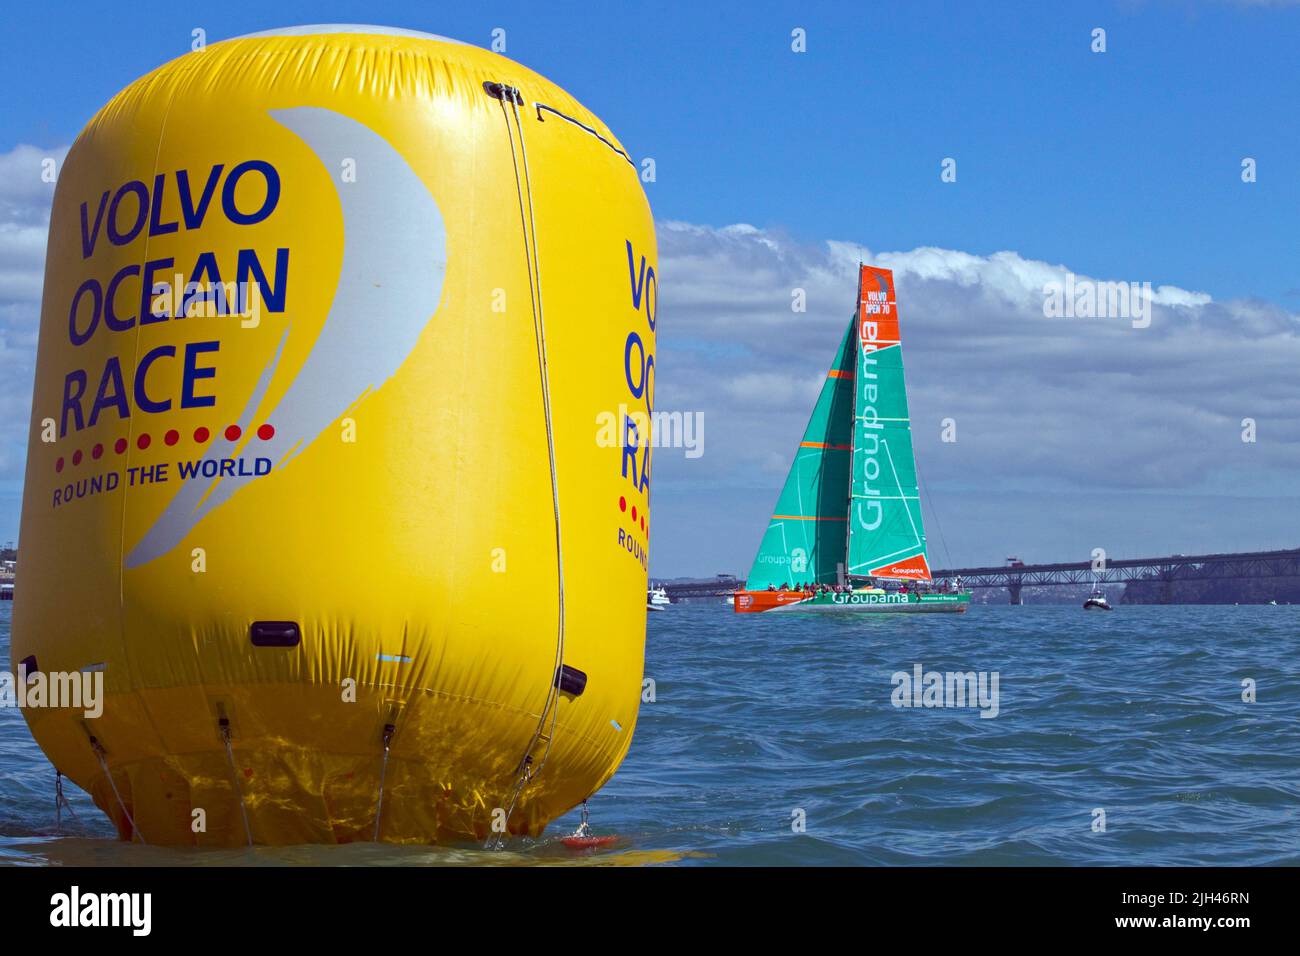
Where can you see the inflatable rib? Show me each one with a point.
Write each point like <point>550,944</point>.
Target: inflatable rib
<point>317,484</point>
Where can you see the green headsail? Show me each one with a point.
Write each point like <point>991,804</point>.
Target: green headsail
<point>807,536</point>
<point>886,534</point>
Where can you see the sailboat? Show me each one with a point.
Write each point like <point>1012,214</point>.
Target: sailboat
<point>846,533</point>
<point>1097,601</point>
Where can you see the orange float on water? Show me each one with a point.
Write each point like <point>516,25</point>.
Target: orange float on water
<point>576,842</point>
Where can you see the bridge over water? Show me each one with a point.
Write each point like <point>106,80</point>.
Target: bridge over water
<point>1176,567</point>
<point>1016,575</point>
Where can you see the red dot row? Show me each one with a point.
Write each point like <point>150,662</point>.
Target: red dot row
<point>144,440</point>
<point>622,506</point>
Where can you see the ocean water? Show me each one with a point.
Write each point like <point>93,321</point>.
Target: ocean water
<point>775,739</point>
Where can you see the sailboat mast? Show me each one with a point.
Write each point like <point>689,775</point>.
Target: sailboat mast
<point>842,571</point>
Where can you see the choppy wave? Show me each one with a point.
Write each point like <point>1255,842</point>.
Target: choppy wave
<point>763,723</point>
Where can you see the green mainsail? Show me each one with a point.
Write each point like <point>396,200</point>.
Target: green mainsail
<point>806,538</point>
<point>886,534</point>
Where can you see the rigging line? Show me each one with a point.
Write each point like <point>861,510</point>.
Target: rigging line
<point>580,125</point>
<point>224,723</point>
<point>100,755</point>
<point>383,772</point>
<point>525,772</point>
<point>934,512</point>
<point>540,331</point>
<point>851,342</point>
<point>60,801</point>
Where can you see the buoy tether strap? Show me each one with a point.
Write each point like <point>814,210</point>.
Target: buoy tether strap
<point>224,724</point>
<point>383,772</point>
<point>101,756</point>
<point>584,828</point>
<point>526,771</point>
<point>60,801</point>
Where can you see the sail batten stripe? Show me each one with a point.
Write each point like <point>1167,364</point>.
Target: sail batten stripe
<point>884,558</point>
<point>807,518</point>
<point>822,444</point>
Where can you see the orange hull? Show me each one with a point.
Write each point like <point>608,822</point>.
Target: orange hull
<point>749,601</point>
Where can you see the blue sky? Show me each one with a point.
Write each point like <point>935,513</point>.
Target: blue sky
<point>1123,165</point>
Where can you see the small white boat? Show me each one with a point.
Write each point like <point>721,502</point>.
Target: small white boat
<point>657,599</point>
<point>1097,601</point>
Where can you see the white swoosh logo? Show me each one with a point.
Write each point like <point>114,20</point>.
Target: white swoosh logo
<point>394,263</point>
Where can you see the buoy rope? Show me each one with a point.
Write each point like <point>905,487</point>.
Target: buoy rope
<point>523,185</point>
<point>584,828</point>
<point>581,125</point>
<point>383,772</point>
<point>554,694</point>
<point>101,756</point>
<point>60,801</point>
<point>234,776</point>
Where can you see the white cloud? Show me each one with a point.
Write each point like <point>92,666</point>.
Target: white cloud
<point>25,199</point>
<point>773,388</point>
<point>1058,407</point>
<point>25,189</point>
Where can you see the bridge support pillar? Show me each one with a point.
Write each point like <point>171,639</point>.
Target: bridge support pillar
<point>1167,591</point>
<point>1014,590</point>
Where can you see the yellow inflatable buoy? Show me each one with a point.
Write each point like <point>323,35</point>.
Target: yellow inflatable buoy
<point>318,482</point>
